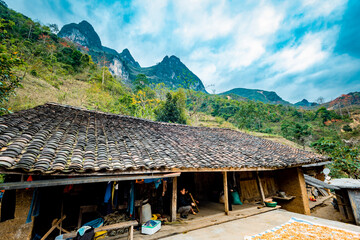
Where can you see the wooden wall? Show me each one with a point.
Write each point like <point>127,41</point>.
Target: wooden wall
<point>315,172</point>
<point>210,184</point>
<point>248,189</point>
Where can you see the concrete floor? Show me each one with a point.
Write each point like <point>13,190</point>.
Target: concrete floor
<point>238,229</point>
<point>201,222</point>
<point>211,208</point>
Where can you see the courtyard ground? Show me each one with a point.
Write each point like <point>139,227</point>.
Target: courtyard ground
<point>252,225</point>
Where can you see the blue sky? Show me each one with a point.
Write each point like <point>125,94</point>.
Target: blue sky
<point>299,49</point>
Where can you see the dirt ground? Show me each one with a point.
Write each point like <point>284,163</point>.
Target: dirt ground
<point>327,211</point>
<point>16,228</point>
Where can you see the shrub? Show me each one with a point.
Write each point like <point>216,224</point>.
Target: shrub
<point>174,108</point>
<point>347,128</point>
<point>34,73</point>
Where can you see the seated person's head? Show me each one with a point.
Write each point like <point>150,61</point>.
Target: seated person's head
<point>183,191</point>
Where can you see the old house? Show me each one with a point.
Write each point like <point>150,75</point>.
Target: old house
<point>70,154</point>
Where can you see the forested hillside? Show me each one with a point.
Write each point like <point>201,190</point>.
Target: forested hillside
<point>37,66</point>
<point>257,95</point>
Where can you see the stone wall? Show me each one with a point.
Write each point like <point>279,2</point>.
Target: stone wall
<point>292,182</point>
<point>17,228</point>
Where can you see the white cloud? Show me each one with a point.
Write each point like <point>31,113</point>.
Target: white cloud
<point>150,18</point>
<point>299,58</point>
<point>226,43</point>
<point>247,43</point>
<point>202,20</point>
<point>312,51</point>
<point>318,8</point>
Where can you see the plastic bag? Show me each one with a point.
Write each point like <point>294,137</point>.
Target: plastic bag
<point>236,198</point>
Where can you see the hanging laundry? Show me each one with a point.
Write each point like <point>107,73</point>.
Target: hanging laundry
<point>8,203</point>
<point>68,188</point>
<point>107,193</point>
<point>29,180</point>
<point>34,206</point>
<point>116,197</point>
<point>156,181</point>
<point>131,204</point>
<point>112,193</point>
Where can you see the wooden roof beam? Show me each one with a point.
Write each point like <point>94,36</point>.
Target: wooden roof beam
<point>80,180</point>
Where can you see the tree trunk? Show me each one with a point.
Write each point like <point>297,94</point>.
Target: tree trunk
<point>103,77</point>
<point>29,31</point>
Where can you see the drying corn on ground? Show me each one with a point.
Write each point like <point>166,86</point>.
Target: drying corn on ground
<point>298,229</point>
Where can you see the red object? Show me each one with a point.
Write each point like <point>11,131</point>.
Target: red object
<point>29,180</point>
<point>68,188</point>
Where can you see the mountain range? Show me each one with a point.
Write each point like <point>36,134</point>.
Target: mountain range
<point>306,104</point>
<point>344,100</point>
<point>257,95</point>
<point>170,71</point>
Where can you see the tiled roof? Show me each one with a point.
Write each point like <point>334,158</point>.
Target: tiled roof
<point>56,138</point>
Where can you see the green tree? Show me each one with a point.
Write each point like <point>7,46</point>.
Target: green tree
<point>173,110</point>
<point>324,114</point>
<point>53,28</point>
<point>285,129</point>
<point>345,159</point>
<point>8,60</point>
<point>161,91</point>
<point>301,132</point>
<point>3,3</point>
<point>140,82</point>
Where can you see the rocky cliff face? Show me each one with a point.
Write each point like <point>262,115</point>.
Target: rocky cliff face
<point>82,34</point>
<point>170,71</point>
<point>175,74</point>
<point>128,58</point>
<point>117,68</point>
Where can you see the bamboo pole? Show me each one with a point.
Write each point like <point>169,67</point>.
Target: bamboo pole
<point>260,187</point>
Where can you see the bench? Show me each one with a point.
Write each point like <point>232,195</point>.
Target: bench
<point>128,224</point>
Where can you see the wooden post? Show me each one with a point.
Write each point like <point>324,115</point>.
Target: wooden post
<point>261,190</point>
<point>62,211</point>
<point>174,200</point>
<point>226,194</point>
<point>56,223</point>
<point>131,233</point>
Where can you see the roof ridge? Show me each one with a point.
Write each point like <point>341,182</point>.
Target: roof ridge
<point>136,118</point>
<point>131,142</point>
<point>169,124</point>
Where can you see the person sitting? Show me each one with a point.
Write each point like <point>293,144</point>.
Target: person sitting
<point>189,199</point>
<point>184,204</point>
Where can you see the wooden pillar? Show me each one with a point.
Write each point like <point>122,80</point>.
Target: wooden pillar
<point>174,200</point>
<point>131,233</point>
<point>354,199</point>
<point>261,190</point>
<point>226,194</point>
